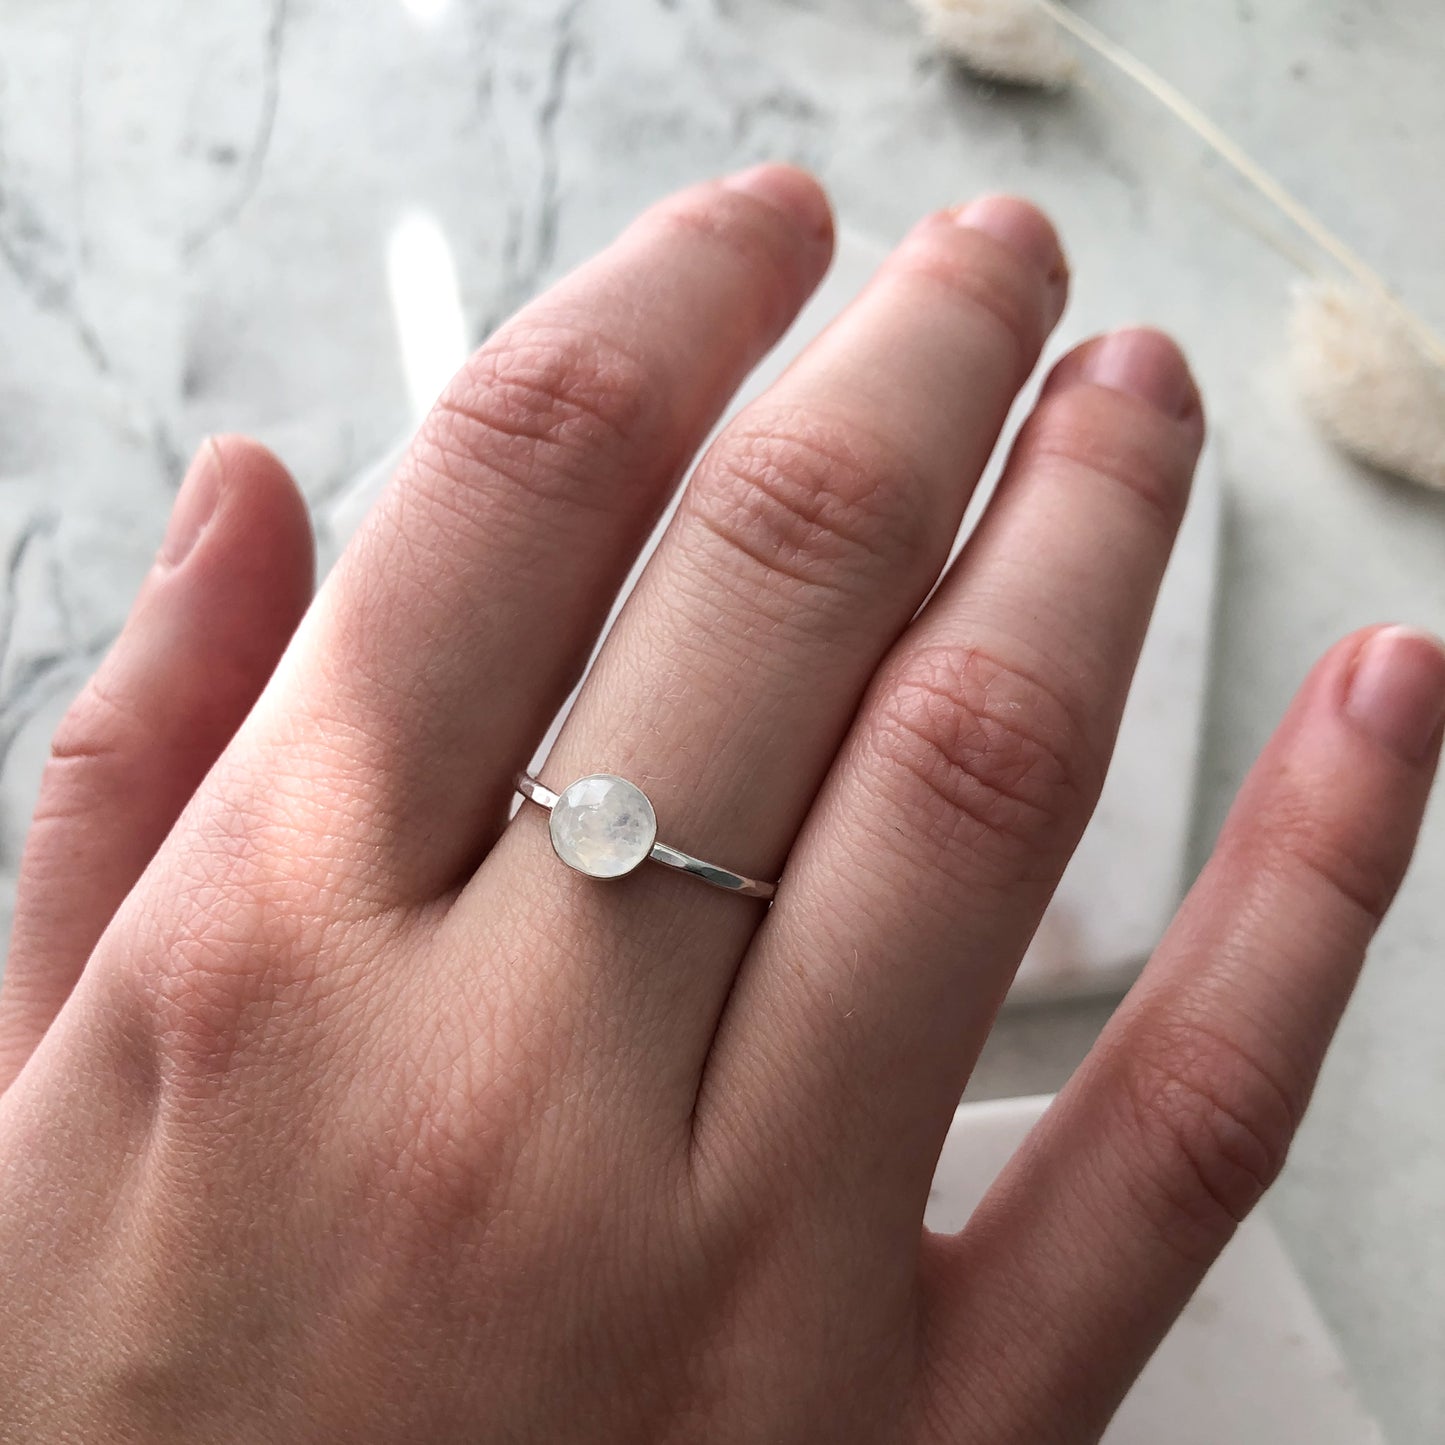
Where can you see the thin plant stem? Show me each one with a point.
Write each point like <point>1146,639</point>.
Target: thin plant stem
<point>1245,166</point>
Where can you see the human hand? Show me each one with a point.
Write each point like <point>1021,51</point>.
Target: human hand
<point>338,1109</point>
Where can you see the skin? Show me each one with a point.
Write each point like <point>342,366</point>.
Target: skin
<point>336,1108</point>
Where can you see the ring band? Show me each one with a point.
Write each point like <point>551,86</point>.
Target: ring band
<point>605,827</point>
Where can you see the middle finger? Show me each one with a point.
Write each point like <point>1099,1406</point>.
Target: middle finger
<point>809,536</point>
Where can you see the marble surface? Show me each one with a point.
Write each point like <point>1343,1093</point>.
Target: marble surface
<point>199,206</point>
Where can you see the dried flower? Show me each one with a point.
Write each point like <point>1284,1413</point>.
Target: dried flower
<point>1010,40</point>
<point>1371,373</point>
<point>1369,384</point>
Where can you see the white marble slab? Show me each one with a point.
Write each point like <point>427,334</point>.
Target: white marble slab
<point>1249,1362</point>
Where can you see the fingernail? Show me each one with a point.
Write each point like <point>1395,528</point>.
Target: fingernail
<point>1142,363</point>
<point>1396,694</point>
<point>789,190</point>
<point>1023,228</point>
<point>195,505</point>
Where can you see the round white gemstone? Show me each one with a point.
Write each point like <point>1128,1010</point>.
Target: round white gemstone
<point>603,826</point>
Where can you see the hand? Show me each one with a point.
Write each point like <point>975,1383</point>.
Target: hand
<point>341,1110</point>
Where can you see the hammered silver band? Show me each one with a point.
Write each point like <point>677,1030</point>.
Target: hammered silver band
<point>639,826</point>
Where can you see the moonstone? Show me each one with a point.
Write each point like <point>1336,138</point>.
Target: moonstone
<point>603,826</point>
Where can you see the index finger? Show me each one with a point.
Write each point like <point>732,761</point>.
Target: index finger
<point>461,614</point>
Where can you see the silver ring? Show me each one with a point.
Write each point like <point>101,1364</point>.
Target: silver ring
<point>605,827</point>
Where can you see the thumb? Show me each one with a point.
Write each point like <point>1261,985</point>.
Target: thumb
<point>230,585</point>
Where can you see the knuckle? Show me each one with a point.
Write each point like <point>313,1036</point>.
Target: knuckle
<point>1295,839</point>
<point>232,943</point>
<point>453,1137</point>
<point>1215,1123</point>
<point>993,283</point>
<point>745,237</point>
<point>98,725</point>
<point>249,947</point>
<point>89,752</point>
<point>542,406</point>
<point>821,504</point>
<point>209,984</point>
<point>1000,758</point>
<point>1102,435</point>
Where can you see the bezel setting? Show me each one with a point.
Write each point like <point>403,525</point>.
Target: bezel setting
<point>603,826</point>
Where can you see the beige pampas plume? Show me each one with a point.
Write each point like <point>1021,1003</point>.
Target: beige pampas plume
<point>1009,40</point>
<point>1370,371</point>
<point>1368,383</point>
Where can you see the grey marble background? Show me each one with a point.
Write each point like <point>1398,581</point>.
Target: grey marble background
<point>195,206</point>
